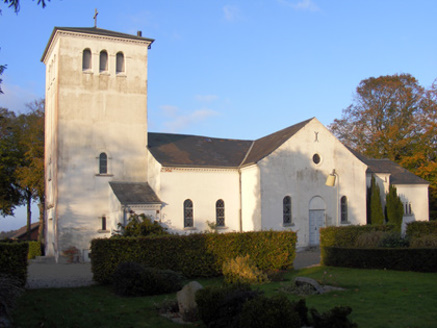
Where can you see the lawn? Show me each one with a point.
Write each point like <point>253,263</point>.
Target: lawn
<point>378,298</point>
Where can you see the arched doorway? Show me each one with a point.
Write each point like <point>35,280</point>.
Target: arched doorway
<point>317,219</point>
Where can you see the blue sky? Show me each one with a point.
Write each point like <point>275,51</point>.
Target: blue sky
<point>235,69</point>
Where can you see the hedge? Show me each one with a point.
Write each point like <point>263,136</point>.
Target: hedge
<point>13,260</point>
<point>346,236</point>
<point>420,228</point>
<point>402,259</point>
<point>195,255</point>
<point>34,249</point>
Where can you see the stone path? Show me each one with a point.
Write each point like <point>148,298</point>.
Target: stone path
<point>51,275</point>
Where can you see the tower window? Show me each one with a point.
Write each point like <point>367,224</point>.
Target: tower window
<point>188,213</point>
<point>103,163</point>
<point>86,60</point>
<point>286,210</point>
<point>343,207</point>
<point>103,61</point>
<point>120,63</point>
<point>103,223</point>
<point>220,213</point>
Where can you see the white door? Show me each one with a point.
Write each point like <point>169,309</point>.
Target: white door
<point>317,220</point>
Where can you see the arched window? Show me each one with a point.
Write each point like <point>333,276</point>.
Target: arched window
<point>103,61</point>
<point>86,60</point>
<point>286,210</point>
<point>220,213</point>
<point>103,163</point>
<point>119,63</point>
<point>188,213</point>
<point>343,208</point>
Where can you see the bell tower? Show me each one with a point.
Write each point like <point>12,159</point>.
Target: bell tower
<point>95,127</point>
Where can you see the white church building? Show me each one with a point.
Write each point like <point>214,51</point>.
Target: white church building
<point>102,163</point>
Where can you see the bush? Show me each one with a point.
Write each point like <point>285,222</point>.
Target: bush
<point>369,239</point>
<point>403,259</point>
<point>221,306</point>
<point>419,228</point>
<point>196,255</point>
<point>142,226</point>
<point>242,270</point>
<point>426,241</point>
<point>10,290</point>
<point>347,236</point>
<point>13,260</point>
<point>393,239</point>
<point>264,312</point>
<point>34,249</point>
<point>133,279</point>
<point>128,279</point>
<point>335,318</point>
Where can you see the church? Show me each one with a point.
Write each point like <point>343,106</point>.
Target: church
<point>102,163</point>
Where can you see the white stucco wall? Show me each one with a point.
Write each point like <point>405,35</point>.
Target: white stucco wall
<point>89,113</point>
<point>415,196</point>
<point>204,187</point>
<point>290,171</point>
<point>251,198</point>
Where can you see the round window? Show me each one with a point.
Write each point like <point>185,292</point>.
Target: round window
<point>316,158</point>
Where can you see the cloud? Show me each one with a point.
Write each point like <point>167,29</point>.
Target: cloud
<point>303,5</point>
<point>231,13</point>
<point>179,121</point>
<point>206,98</point>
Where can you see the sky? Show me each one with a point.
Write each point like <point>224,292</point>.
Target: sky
<point>237,69</point>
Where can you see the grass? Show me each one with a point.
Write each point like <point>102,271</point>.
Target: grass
<point>378,298</point>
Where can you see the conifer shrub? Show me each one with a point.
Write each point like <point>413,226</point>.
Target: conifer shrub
<point>269,312</point>
<point>242,270</point>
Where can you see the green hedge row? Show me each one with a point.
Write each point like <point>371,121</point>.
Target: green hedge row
<point>34,249</point>
<point>346,236</point>
<point>420,228</point>
<point>402,259</point>
<point>13,260</point>
<point>196,255</point>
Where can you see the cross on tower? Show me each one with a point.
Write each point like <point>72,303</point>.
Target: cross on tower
<point>95,17</point>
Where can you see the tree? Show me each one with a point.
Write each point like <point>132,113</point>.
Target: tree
<point>16,4</point>
<point>30,171</point>
<point>375,215</point>
<point>395,208</point>
<point>10,196</point>
<point>394,117</point>
<point>141,226</point>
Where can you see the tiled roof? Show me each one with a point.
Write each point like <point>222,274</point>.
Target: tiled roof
<point>134,193</point>
<point>23,230</point>
<point>398,175</point>
<point>95,31</point>
<point>195,151</point>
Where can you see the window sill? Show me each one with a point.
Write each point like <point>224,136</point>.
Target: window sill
<point>222,228</point>
<point>286,225</point>
<point>88,71</point>
<point>104,175</point>
<point>120,75</point>
<point>190,228</point>
<point>103,231</point>
<point>106,73</point>
<point>345,223</point>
